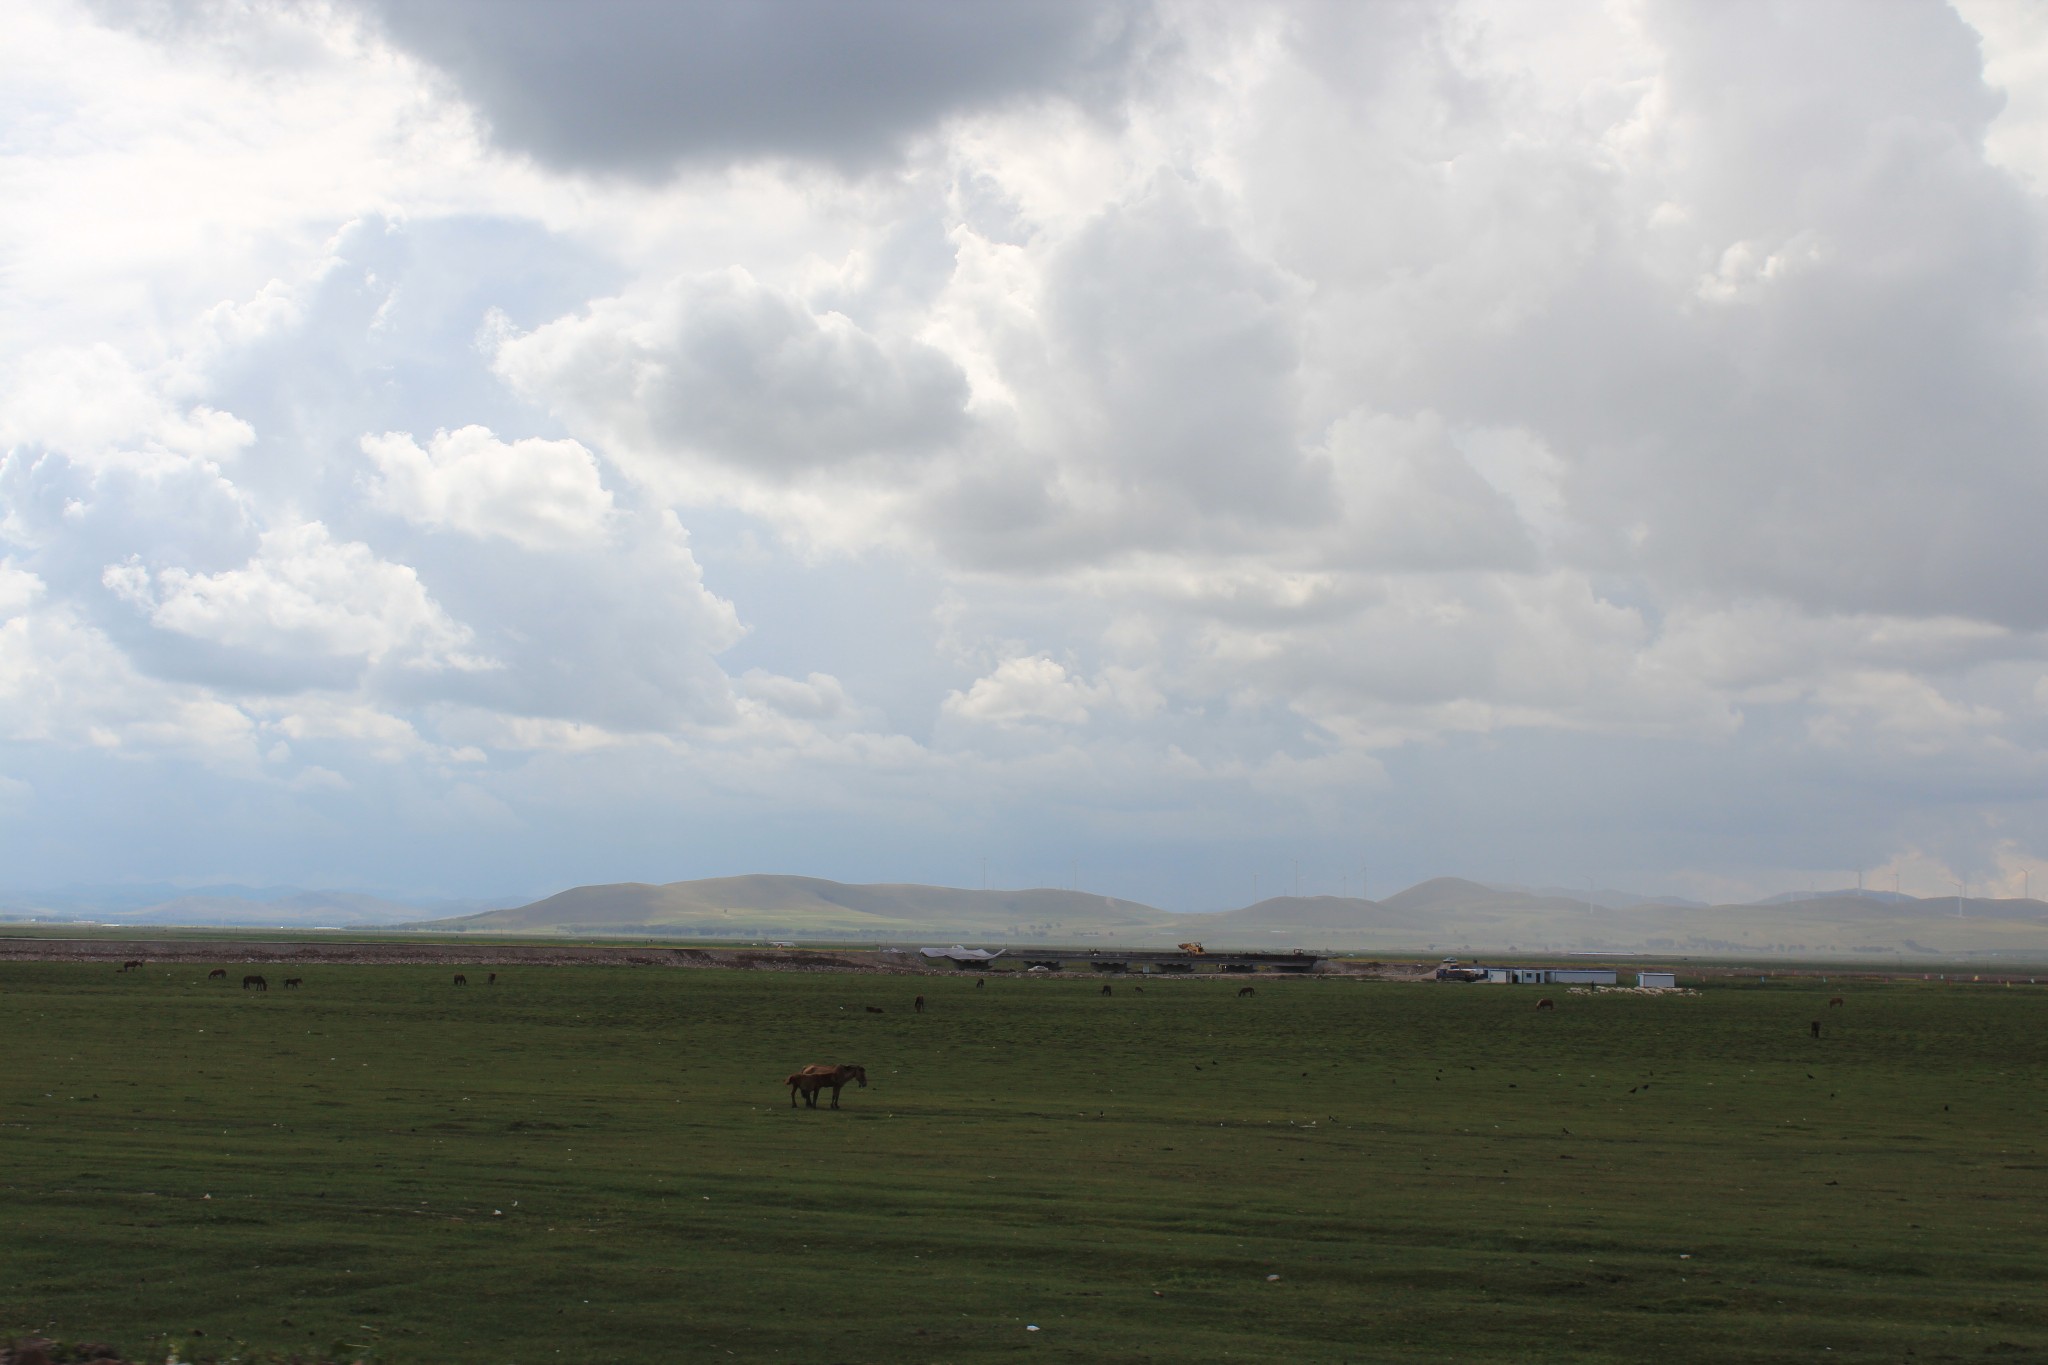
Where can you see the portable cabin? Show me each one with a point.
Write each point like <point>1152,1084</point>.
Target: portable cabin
<point>1657,981</point>
<point>1582,976</point>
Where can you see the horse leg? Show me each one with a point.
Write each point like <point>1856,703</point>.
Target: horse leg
<point>835,1097</point>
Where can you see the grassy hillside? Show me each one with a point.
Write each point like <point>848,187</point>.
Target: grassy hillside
<point>811,907</point>
<point>1447,915</point>
<point>601,1164</point>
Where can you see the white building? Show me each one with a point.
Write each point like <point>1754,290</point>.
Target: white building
<point>1559,976</point>
<point>1658,981</point>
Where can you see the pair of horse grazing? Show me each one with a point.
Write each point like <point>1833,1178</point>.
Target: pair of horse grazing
<point>490,980</point>
<point>817,1076</point>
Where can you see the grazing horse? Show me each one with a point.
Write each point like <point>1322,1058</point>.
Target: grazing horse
<point>1816,1028</point>
<point>1546,1003</point>
<point>461,980</point>
<point>1243,991</point>
<point>1834,1001</point>
<point>1106,990</point>
<point>258,982</point>
<point>292,983</point>
<point>918,1004</point>
<point>817,1076</point>
<point>129,966</point>
<point>980,981</point>
<point>491,980</point>
<point>217,974</point>
<point>875,1009</point>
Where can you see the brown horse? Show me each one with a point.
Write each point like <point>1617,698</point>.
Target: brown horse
<point>256,981</point>
<point>491,980</point>
<point>292,983</point>
<point>918,1004</point>
<point>461,980</point>
<point>217,974</point>
<point>1106,990</point>
<point>1244,991</point>
<point>1816,1028</point>
<point>817,1076</point>
<point>1834,1002</point>
<point>129,966</point>
<point>1546,1003</point>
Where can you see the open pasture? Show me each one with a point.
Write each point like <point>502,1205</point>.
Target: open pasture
<point>583,1164</point>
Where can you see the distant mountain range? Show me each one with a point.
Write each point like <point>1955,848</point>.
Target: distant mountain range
<point>1448,916</point>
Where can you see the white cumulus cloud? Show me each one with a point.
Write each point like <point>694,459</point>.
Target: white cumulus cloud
<point>542,495</point>
<point>1023,690</point>
<point>305,593</point>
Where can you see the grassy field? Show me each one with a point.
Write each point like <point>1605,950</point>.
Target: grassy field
<point>600,1164</point>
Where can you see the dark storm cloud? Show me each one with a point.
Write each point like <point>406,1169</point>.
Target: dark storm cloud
<point>636,86</point>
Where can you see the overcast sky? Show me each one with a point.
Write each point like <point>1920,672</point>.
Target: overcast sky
<point>482,446</point>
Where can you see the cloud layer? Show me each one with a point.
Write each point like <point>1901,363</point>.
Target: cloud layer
<point>1178,438</point>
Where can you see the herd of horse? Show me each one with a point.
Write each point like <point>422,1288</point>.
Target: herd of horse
<point>256,982</point>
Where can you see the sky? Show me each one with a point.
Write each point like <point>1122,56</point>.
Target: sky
<point>1186,450</point>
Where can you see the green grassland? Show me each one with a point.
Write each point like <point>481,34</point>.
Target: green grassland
<point>600,1164</point>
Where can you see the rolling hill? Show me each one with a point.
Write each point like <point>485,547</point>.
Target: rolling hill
<point>1446,915</point>
<point>778,906</point>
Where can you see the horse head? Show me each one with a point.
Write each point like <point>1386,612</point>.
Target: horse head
<point>859,1073</point>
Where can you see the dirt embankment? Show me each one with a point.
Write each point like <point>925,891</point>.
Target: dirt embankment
<point>300,953</point>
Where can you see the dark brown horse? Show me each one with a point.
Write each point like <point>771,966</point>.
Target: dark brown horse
<point>817,1076</point>
<point>1546,1003</point>
<point>461,980</point>
<point>292,983</point>
<point>1834,1002</point>
<point>918,1004</point>
<point>491,980</point>
<point>129,966</point>
<point>1816,1028</point>
<point>217,974</point>
<point>1244,991</point>
<point>1106,990</point>
<point>255,981</point>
